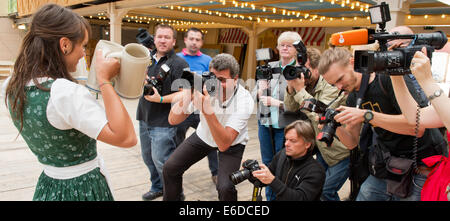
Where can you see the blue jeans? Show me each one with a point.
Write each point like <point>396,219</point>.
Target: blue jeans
<point>375,189</point>
<point>334,179</point>
<point>267,154</point>
<point>157,143</point>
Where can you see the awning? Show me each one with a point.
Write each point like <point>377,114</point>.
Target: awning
<point>311,36</point>
<point>233,35</point>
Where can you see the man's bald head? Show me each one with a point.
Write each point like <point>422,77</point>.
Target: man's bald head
<point>401,30</point>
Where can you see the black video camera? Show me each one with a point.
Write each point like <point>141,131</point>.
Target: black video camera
<point>398,61</point>
<point>207,78</point>
<point>145,38</point>
<point>292,72</point>
<point>246,173</point>
<point>156,81</point>
<point>264,71</point>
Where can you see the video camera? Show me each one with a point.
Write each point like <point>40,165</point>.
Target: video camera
<point>145,38</point>
<point>327,118</point>
<point>290,72</point>
<point>395,62</point>
<point>207,78</point>
<point>246,173</point>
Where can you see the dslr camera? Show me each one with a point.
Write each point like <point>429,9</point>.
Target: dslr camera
<point>264,71</point>
<point>207,78</point>
<point>145,38</point>
<point>156,81</point>
<point>326,118</point>
<point>397,61</point>
<point>329,129</point>
<point>292,72</point>
<point>246,173</point>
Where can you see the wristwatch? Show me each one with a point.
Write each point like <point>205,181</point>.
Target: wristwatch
<point>436,94</point>
<point>368,116</point>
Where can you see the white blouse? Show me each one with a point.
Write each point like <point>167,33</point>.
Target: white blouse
<point>71,106</point>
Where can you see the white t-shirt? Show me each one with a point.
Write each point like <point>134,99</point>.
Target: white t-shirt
<point>72,106</point>
<point>235,115</point>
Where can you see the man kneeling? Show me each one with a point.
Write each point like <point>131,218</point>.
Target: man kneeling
<point>294,174</point>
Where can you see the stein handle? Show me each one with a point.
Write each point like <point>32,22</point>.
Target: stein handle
<point>117,54</point>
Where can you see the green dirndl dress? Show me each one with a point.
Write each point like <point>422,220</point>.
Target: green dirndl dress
<point>60,148</point>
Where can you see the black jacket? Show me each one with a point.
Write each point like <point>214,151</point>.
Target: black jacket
<point>156,114</point>
<point>299,179</point>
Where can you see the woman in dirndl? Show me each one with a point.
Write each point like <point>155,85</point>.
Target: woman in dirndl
<point>59,119</point>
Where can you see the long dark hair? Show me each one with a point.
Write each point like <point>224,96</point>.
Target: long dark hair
<point>40,53</point>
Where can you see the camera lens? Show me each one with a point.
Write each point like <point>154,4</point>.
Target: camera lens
<point>239,176</point>
<point>148,90</point>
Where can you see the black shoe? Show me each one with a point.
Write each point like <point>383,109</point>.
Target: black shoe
<point>151,195</point>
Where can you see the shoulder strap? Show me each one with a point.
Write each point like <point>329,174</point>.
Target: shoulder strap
<point>362,89</point>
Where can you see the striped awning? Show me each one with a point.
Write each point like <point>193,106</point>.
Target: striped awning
<point>233,35</point>
<point>313,36</point>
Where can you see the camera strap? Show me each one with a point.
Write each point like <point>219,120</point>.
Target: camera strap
<point>362,89</point>
<point>224,106</point>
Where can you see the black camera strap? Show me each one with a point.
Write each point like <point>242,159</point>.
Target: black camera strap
<point>362,89</point>
<point>224,106</point>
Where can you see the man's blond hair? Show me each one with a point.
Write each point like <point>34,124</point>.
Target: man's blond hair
<point>334,55</point>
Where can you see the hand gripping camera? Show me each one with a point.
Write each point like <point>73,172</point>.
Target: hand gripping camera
<point>246,173</point>
<point>156,81</point>
<point>197,81</point>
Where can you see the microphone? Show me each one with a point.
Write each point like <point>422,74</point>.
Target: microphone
<point>353,37</point>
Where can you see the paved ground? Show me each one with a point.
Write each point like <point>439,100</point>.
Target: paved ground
<point>19,168</point>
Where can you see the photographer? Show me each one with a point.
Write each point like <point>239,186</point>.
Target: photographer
<point>380,109</point>
<point>293,173</point>
<point>198,63</point>
<point>158,137</point>
<point>223,127</point>
<point>335,158</point>
<point>269,95</point>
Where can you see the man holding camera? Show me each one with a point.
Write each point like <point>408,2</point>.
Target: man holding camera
<point>223,127</point>
<point>334,158</point>
<point>198,63</point>
<point>158,137</point>
<point>293,173</point>
<point>395,135</point>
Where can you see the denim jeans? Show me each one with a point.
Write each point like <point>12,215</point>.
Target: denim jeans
<point>335,178</point>
<point>157,143</point>
<point>267,154</point>
<point>375,189</point>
